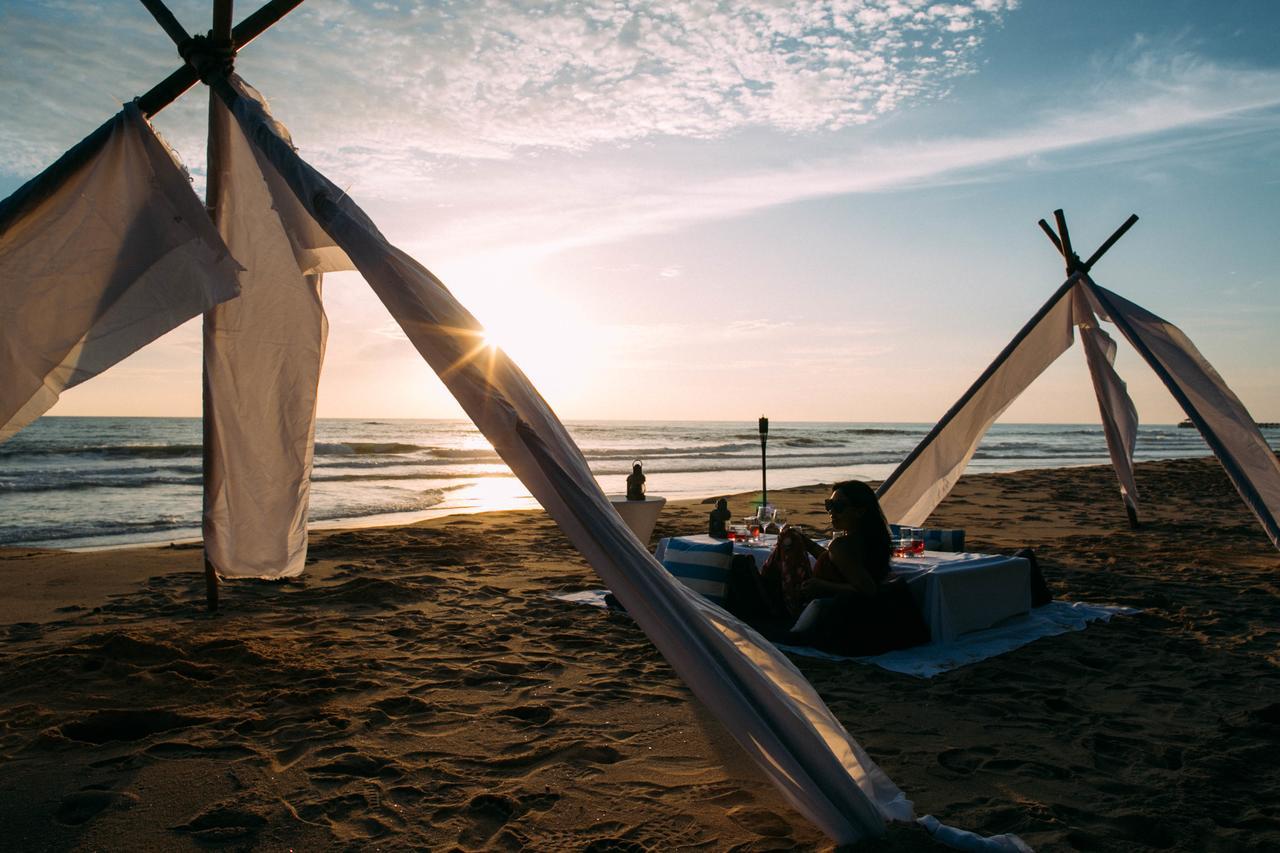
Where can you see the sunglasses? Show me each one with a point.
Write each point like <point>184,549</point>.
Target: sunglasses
<point>836,505</point>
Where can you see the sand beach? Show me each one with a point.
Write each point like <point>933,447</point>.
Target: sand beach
<point>421,688</point>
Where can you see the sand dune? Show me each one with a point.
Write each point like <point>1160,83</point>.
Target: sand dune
<point>421,689</point>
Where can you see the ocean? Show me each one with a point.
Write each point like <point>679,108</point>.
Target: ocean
<point>76,482</point>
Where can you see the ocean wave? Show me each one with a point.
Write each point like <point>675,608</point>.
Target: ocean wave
<point>405,503</point>
<point>408,475</point>
<point>1044,453</point>
<point>61,484</point>
<point>1001,444</point>
<point>880,431</point>
<point>463,454</point>
<point>665,451</point>
<point>87,528</point>
<point>366,448</point>
<point>140,451</point>
<point>809,442</point>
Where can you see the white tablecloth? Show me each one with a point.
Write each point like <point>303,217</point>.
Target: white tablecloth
<point>956,592</point>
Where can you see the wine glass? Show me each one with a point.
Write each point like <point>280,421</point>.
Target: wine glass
<point>779,519</point>
<point>764,516</point>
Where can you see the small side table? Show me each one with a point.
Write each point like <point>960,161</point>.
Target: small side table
<point>640,516</point>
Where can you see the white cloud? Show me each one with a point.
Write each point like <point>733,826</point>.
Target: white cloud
<point>386,90</point>
<point>1152,108</point>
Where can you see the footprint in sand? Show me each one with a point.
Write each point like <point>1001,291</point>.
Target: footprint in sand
<point>485,815</point>
<point>535,715</point>
<point>965,761</point>
<point>223,823</point>
<point>125,725</point>
<point>82,806</point>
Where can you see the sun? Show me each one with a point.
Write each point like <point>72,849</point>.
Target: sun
<point>548,340</point>
<point>537,324</point>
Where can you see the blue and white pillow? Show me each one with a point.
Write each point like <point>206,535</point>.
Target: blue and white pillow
<point>703,567</point>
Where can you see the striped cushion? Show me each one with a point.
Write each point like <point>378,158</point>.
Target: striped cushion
<point>938,539</point>
<point>704,568</point>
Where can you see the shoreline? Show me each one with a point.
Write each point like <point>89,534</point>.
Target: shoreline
<point>419,687</point>
<point>401,519</point>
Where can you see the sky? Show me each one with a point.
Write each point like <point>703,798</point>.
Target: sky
<point>711,211</point>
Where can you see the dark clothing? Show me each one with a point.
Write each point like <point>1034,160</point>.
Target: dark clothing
<point>849,624</point>
<point>857,625</point>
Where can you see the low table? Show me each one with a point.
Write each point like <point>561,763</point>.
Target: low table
<point>956,592</point>
<point>640,516</point>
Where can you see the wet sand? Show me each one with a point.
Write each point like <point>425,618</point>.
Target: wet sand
<point>420,688</point>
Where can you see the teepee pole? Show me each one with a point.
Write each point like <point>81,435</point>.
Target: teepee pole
<point>209,54</point>
<point>43,185</point>
<point>171,88</point>
<point>221,37</point>
<point>1110,241</point>
<point>1075,265</point>
<point>166,20</point>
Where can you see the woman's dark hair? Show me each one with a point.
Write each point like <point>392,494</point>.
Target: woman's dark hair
<point>871,529</point>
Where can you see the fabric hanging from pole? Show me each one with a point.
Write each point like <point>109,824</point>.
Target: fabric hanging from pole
<point>262,357</point>
<point>1119,415</point>
<point>920,484</point>
<point>763,700</point>
<point>1222,419</point>
<point>103,253</point>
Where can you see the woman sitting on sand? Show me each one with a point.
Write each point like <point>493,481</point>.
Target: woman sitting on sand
<point>842,602</point>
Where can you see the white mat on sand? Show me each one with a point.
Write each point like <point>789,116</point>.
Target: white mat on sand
<point>1057,617</point>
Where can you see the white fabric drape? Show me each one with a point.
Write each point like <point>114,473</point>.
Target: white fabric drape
<point>120,253</point>
<point>262,358</point>
<point>915,489</point>
<point>1222,419</point>
<point>763,700</point>
<point>1119,415</point>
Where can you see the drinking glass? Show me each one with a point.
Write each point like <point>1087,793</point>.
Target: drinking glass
<point>764,517</point>
<point>780,519</point>
<point>912,541</point>
<point>895,544</point>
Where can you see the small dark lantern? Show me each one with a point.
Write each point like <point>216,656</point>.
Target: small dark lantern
<point>635,482</point>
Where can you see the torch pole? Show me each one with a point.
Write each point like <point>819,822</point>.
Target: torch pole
<point>764,465</point>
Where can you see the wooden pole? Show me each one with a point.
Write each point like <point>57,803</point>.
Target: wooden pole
<point>157,98</point>
<point>171,88</point>
<point>1110,241</point>
<point>1074,264</point>
<point>764,467</point>
<point>167,21</point>
<point>221,36</point>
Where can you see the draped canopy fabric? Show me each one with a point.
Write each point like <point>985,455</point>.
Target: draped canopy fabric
<point>912,492</point>
<point>262,357</point>
<point>101,259</point>
<point>1119,415</point>
<point>920,483</point>
<point>764,701</point>
<point>1222,419</point>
